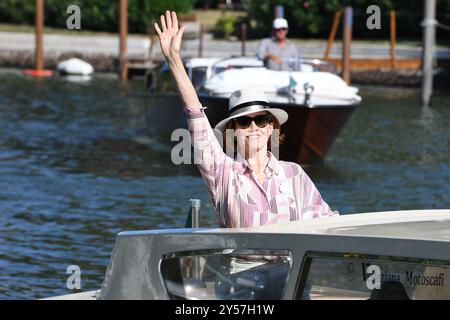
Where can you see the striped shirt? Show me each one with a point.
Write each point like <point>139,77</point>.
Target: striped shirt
<point>239,200</point>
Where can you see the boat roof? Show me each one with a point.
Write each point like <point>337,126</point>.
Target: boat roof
<point>411,224</point>
<point>201,62</point>
<point>408,224</point>
<point>224,62</point>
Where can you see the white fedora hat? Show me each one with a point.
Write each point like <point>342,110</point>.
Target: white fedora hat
<point>248,101</point>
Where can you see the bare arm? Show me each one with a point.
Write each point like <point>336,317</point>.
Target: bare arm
<point>208,153</point>
<point>170,41</point>
<point>275,58</point>
<point>264,54</point>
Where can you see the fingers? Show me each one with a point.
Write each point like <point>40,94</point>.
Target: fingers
<point>158,31</point>
<point>163,23</point>
<point>174,20</point>
<point>180,33</point>
<point>168,19</point>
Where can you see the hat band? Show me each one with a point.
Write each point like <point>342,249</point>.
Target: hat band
<point>249,106</point>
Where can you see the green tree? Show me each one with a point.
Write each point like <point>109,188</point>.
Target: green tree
<point>99,15</point>
<point>313,18</point>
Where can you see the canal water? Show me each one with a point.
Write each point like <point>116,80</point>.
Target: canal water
<point>82,161</point>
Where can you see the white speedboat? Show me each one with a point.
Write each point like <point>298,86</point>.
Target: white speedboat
<point>383,255</point>
<point>314,83</point>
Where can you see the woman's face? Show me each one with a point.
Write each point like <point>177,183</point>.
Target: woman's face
<point>253,137</point>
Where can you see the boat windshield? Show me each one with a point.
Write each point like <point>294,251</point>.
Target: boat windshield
<point>311,65</point>
<point>356,277</point>
<point>227,274</point>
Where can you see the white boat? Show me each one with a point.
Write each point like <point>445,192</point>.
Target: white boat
<point>382,255</point>
<point>75,66</point>
<point>314,83</point>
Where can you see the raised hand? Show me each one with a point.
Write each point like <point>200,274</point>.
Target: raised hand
<point>170,36</point>
<point>170,41</point>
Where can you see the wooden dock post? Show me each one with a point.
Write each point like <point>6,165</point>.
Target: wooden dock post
<point>279,11</point>
<point>152,38</point>
<point>39,35</point>
<point>123,32</point>
<point>429,37</point>
<point>39,61</point>
<point>393,39</point>
<point>243,38</point>
<point>346,46</point>
<point>201,39</point>
<point>332,36</point>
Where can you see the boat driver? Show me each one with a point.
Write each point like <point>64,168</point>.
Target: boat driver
<point>277,52</point>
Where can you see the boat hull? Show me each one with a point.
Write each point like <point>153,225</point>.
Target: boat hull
<point>309,132</point>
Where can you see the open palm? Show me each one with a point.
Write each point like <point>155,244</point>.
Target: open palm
<point>169,34</point>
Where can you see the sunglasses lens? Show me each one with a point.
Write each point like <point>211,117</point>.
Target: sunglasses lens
<point>261,121</point>
<point>244,122</point>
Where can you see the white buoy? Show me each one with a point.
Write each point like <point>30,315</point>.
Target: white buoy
<point>75,66</point>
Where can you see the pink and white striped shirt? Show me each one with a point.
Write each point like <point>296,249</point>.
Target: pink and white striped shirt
<point>239,200</point>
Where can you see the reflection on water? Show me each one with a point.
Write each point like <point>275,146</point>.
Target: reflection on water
<point>82,161</point>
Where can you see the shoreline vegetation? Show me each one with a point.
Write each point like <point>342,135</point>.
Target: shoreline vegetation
<point>28,28</point>
<point>8,27</point>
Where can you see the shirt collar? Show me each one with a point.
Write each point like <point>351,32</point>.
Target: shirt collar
<point>272,166</point>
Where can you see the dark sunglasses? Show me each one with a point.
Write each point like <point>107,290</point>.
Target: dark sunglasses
<point>261,121</point>
<point>284,29</point>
